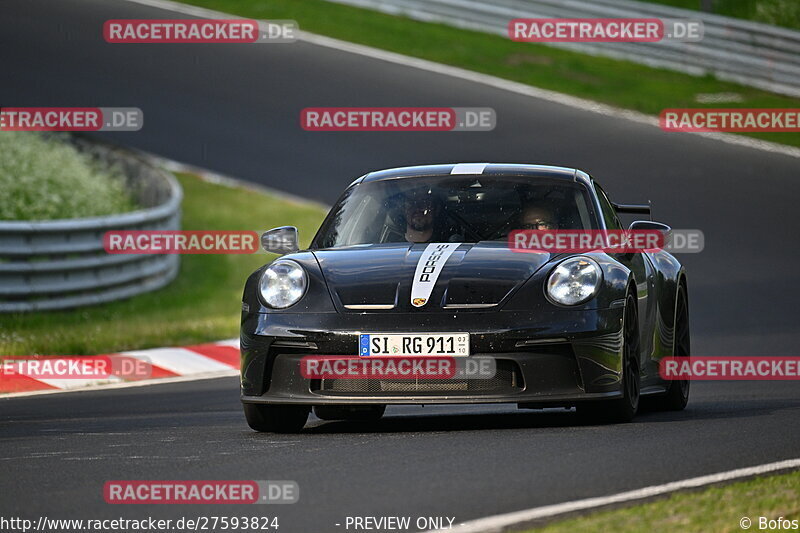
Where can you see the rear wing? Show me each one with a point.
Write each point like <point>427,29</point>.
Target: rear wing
<point>633,209</point>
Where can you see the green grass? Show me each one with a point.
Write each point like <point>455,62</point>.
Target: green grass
<point>778,12</point>
<point>44,179</point>
<point>717,510</point>
<point>618,83</point>
<point>202,304</point>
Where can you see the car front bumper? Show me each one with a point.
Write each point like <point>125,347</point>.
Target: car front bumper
<point>559,359</point>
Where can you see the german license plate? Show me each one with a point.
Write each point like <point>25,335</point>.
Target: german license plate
<point>413,344</point>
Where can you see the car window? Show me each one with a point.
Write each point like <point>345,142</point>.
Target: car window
<point>454,209</point>
<point>609,213</point>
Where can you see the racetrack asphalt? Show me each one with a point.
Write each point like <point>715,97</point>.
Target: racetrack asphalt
<point>58,451</point>
<point>235,109</point>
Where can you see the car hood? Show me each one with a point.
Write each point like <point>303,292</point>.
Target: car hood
<point>379,278</point>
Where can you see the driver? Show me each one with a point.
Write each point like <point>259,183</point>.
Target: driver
<point>421,209</point>
<point>535,216</point>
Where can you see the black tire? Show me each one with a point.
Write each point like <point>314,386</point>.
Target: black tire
<point>623,409</point>
<point>276,418</point>
<point>360,413</point>
<point>677,395</point>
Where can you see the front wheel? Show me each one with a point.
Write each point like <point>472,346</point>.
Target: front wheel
<point>276,418</point>
<point>625,408</point>
<point>677,395</point>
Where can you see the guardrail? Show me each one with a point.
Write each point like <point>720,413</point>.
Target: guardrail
<point>62,264</point>
<point>749,53</point>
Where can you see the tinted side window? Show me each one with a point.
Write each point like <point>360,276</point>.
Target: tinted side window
<point>609,213</point>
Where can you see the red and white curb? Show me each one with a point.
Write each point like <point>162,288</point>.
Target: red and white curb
<point>200,361</point>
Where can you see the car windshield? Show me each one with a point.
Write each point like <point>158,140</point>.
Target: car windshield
<point>454,209</point>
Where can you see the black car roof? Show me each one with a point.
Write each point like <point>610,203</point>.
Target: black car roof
<point>477,169</point>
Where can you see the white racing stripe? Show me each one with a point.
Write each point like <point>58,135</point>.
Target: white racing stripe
<point>501,522</point>
<point>429,267</point>
<point>469,168</point>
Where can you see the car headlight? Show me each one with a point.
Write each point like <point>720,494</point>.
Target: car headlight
<point>282,284</point>
<point>574,281</point>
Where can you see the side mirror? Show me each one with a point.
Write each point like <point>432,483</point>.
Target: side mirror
<point>281,240</point>
<point>649,225</point>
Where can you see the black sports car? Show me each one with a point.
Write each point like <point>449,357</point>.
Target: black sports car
<point>420,257</point>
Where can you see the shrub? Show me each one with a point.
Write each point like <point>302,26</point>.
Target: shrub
<point>44,178</point>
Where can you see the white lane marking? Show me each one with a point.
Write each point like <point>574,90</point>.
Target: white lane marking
<point>485,79</point>
<point>125,385</point>
<point>469,168</point>
<point>178,360</point>
<point>429,266</point>
<point>500,522</point>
